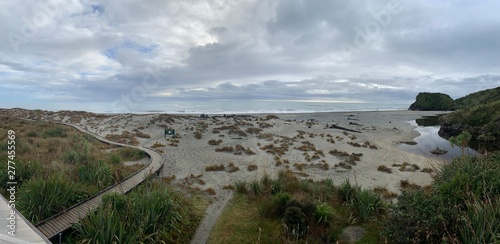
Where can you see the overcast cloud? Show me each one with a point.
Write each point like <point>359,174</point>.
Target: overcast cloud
<point>138,51</point>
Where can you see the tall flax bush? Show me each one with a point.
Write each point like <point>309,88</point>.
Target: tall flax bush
<point>481,222</point>
<point>367,203</point>
<point>150,214</point>
<point>96,174</point>
<point>42,197</point>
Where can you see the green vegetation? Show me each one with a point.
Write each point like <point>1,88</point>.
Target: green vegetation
<point>42,197</point>
<point>152,213</point>
<point>462,206</point>
<point>478,115</point>
<point>58,166</point>
<point>241,223</point>
<point>426,101</point>
<point>291,210</point>
<point>478,98</point>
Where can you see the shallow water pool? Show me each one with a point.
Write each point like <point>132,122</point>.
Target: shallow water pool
<point>430,140</point>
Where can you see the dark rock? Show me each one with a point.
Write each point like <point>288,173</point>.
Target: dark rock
<point>439,151</point>
<point>351,234</point>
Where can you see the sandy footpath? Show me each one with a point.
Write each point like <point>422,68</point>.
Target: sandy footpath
<point>302,143</point>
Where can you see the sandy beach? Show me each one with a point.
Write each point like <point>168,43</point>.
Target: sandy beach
<point>246,147</point>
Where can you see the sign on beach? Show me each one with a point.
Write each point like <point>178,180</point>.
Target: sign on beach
<point>169,132</point>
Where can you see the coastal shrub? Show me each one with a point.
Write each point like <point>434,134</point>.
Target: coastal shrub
<point>405,184</point>
<point>71,157</point>
<point>481,222</point>
<point>347,192</point>
<point>104,226</point>
<point>211,191</point>
<point>383,192</point>
<point>255,188</point>
<point>295,222</point>
<point>304,186</point>
<point>231,168</point>
<point>116,201</point>
<point>416,218</point>
<point>214,142</point>
<point>354,144</point>
<point>56,131</point>
<point>329,184</point>
<point>297,217</point>
<point>276,187</point>
<point>115,159</point>
<point>477,174</point>
<point>337,153</point>
<point>300,166</point>
<point>96,174</point>
<point>457,206</point>
<point>344,165</point>
<point>150,214</point>
<point>131,153</point>
<point>241,186</point>
<point>252,167</point>
<point>253,130</point>
<point>266,180</point>
<point>367,203</point>
<point>157,145</point>
<point>26,171</point>
<point>215,167</point>
<point>141,134</point>
<point>225,149</point>
<point>280,201</point>
<point>383,168</point>
<point>324,213</point>
<point>42,197</point>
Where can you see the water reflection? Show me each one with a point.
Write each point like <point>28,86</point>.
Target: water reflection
<point>430,140</point>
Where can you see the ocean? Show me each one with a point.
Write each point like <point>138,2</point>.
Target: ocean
<point>217,107</point>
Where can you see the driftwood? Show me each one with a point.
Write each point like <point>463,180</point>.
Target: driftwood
<point>352,123</point>
<point>342,128</point>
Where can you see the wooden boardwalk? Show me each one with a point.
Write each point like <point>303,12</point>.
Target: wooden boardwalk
<point>62,221</point>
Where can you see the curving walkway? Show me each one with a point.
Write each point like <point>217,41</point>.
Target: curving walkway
<point>62,221</point>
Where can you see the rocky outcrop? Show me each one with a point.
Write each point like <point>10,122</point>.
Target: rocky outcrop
<point>426,101</point>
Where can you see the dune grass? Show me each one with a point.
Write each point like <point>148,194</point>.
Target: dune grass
<point>241,223</point>
<point>58,166</point>
<point>152,213</point>
<point>290,210</point>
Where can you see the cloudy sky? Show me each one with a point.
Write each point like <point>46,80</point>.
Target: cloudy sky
<point>71,51</point>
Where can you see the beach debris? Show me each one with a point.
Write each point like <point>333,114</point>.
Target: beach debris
<point>342,128</point>
<point>412,143</point>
